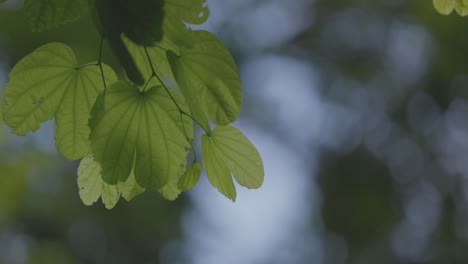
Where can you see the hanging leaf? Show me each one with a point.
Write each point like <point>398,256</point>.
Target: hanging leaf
<point>190,177</point>
<point>142,128</point>
<point>216,171</point>
<point>47,84</point>
<point>91,186</point>
<point>446,7</point>
<point>208,78</point>
<point>227,151</point>
<point>46,14</point>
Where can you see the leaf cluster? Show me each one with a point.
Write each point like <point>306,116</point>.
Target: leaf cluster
<point>135,134</point>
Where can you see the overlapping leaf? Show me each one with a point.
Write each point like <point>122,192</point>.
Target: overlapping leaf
<point>47,84</point>
<point>208,78</point>
<point>446,7</point>
<point>142,128</point>
<point>46,14</point>
<point>130,188</point>
<point>190,177</point>
<point>91,186</point>
<point>158,58</point>
<point>175,35</point>
<point>227,151</point>
<point>179,13</point>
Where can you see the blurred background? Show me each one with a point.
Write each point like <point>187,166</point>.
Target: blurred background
<point>358,108</point>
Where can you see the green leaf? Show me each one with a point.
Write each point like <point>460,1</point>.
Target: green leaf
<point>158,58</point>
<point>46,14</point>
<point>47,84</point>
<point>179,13</point>
<point>190,177</point>
<point>227,151</point>
<point>91,186</point>
<point>446,7</point>
<point>192,11</point>
<point>216,171</point>
<point>130,188</point>
<point>142,128</point>
<point>171,191</point>
<point>208,78</point>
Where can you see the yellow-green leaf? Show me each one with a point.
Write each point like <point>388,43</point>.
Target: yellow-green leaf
<point>446,7</point>
<point>91,186</point>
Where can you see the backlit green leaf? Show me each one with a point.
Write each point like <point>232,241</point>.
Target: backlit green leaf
<point>216,171</point>
<point>158,58</point>
<point>110,195</point>
<point>171,191</point>
<point>130,187</point>
<point>91,186</point>
<point>46,14</point>
<point>446,7</point>
<point>208,78</point>
<point>227,151</point>
<point>142,128</point>
<point>47,84</point>
<point>190,177</point>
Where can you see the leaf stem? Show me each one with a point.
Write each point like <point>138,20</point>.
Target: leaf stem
<point>100,64</point>
<point>181,112</point>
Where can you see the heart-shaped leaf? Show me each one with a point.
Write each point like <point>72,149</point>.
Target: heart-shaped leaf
<point>48,83</point>
<point>142,128</point>
<point>228,152</point>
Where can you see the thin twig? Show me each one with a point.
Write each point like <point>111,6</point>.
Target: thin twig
<point>100,64</point>
<point>181,112</point>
